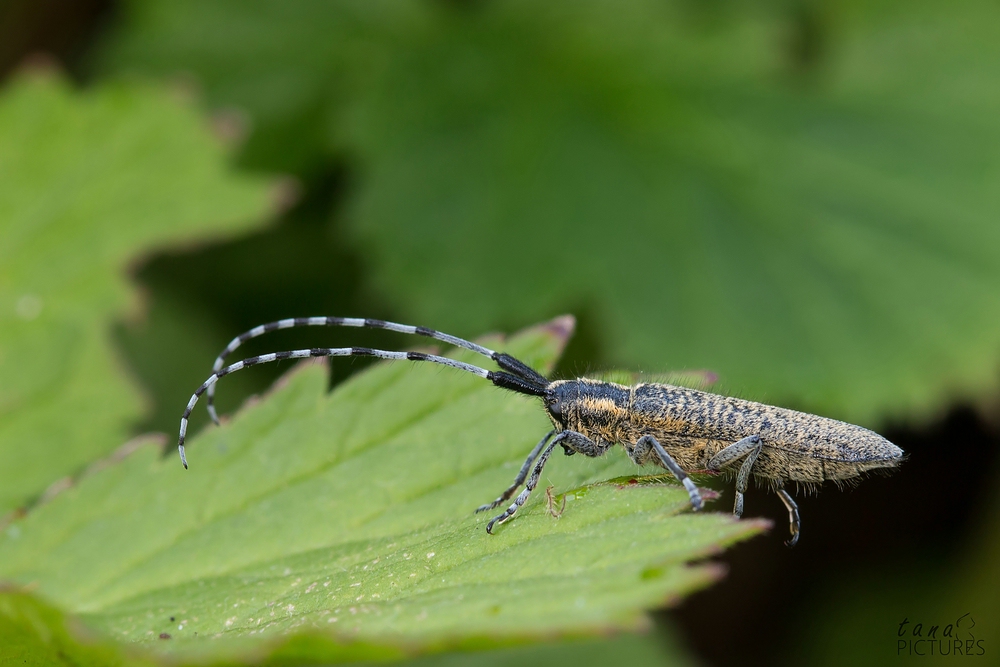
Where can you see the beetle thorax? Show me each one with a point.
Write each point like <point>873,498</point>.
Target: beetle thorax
<point>598,410</point>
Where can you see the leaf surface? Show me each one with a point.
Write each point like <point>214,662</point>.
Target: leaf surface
<point>36,633</point>
<point>89,182</point>
<point>349,515</point>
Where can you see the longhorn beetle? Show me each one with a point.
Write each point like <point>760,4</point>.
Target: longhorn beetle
<point>673,427</point>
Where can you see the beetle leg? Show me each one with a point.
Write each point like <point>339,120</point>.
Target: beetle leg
<point>793,516</point>
<point>532,481</point>
<point>734,452</point>
<point>520,475</point>
<point>579,443</point>
<point>648,442</point>
<point>748,449</point>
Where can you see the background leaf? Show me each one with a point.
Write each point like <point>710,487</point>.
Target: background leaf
<point>88,182</point>
<point>799,196</point>
<point>351,513</point>
<point>292,64</point>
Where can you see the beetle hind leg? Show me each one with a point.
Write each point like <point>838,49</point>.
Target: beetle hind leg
<point>794,523</point>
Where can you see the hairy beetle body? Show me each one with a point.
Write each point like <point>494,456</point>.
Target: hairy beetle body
<point>695,425</point>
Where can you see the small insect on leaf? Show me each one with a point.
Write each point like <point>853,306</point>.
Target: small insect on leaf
<point>550,501</point>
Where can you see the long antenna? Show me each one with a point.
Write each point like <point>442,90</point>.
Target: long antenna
<point>505,361</point>
<point>500,379</point>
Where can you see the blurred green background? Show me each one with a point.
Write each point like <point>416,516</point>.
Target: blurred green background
<point>799,195</point>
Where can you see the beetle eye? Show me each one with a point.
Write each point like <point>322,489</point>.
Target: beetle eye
<point>554,407</point>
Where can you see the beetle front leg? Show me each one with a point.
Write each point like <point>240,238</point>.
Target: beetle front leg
<point>576,441</point>
<point>521,476</point>
<point>748,448</point>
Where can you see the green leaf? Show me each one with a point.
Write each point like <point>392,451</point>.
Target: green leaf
<point>349,515</point>
<point>801,199</point>
<point>631,650</point>
<point>35,633</point>
<point>88,183</point>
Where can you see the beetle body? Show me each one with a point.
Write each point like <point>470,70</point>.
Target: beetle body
<point>694,426</point>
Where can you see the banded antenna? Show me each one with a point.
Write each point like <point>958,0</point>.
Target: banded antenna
<point>505,361</point>
<point>519,377</point>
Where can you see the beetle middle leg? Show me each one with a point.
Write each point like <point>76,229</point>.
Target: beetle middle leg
<point>640,452</point>
<point>748,449</point>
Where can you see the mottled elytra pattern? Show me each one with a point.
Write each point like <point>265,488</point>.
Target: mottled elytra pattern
<point>696,425</point>
<point>676,428</point>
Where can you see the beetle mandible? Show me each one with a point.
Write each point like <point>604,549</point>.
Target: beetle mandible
<point>676,428</point>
